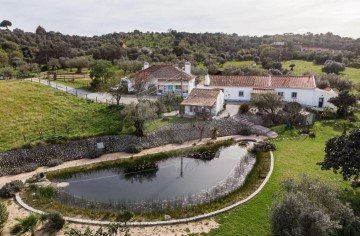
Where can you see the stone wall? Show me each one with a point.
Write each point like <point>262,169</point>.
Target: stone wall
<point>24,160</point>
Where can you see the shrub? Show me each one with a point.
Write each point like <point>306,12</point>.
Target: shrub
<point>46,192</point>
<point>4,214</point>
<point>26,224</point>
<point>124,216</point>
<point>166,118</point>
<point>10,189</point>
<point>244,108</point>
<point>55,221</point>
<point>134,148</point>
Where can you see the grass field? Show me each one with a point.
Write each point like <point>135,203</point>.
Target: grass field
<point>26,107</point>
<point>77,83</point>
<point>302,67</point>
<point>292,159</point>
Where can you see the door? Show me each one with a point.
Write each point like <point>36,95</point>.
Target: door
<point>321,102</point>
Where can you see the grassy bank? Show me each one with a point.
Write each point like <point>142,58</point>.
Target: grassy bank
<point>255,178</point>
<point>26,108</point>
<point>292,159</point>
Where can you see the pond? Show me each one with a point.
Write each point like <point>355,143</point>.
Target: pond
<point>188,179</point>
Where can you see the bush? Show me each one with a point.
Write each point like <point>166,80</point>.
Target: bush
<point>46,192</point>
<point>124,216</point>
<point>134,148</point>
<point>244,108</point>
<point>166,118</point>
<point>4,214</point>
<point>10,189</point>
<point>55,221</point>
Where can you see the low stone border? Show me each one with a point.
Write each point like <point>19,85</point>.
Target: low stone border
<point>157,223</point>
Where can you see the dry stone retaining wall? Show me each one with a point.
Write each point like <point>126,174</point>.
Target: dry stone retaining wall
<point>24,160</point>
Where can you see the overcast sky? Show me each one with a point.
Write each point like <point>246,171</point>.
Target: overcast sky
<point>244,17</point>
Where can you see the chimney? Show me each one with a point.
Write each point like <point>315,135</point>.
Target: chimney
<point>207,80</point>
<point>188,67</point>
<point>146,65</point>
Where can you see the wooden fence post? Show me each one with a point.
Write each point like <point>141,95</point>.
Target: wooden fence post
<point>76,92</point>
<point>24,138</point>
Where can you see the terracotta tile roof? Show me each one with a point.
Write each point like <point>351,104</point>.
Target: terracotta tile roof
<point>202,97</point>
<point>263,81</point>
<point>293,81</point>
<point>162,72</point>
<point>239,81</point>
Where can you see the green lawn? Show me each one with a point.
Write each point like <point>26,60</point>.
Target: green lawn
<point>164,122</point>
<point>301,67</point>
<point>27,107</point>
<point>292,159</point>
<point>77,83</point>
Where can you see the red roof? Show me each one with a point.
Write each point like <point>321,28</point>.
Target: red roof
<point>162,72</point>
<point>202,97</point>
<point>263,81</point>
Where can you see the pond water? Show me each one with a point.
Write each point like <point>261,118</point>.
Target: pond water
<point>168,179</point>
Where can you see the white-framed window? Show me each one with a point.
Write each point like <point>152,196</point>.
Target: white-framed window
<point>281,94</point>
<point>241,93</point>
<point>178,87</point>
<point>294,95</point>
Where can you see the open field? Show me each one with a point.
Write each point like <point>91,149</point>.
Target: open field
<point>302,67</point>
<point>292,159</point>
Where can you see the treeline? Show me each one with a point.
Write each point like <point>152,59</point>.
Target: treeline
<point>51,50</point>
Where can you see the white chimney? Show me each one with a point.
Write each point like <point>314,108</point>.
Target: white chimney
<point>188,67</point>
<point>207,80</point>
<point>146,65</point>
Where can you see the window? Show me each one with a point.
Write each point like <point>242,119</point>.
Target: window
<point>241,93</point>
<point>294,95</point>
<point>178,87</point>
<point>281,94</point>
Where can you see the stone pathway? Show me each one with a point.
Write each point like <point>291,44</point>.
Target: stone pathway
<point>258,128</point>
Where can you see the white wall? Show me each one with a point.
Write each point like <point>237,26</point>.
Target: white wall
<point>326,95</point>
<point>304,96</point>
<point>232,93</point>
<point>219,103</point>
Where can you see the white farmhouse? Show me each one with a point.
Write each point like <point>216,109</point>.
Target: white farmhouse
<point>301,89</point>
<point>162,79</point>
<point>203,102</point>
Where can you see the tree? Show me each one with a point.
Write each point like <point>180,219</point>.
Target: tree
<point>292,67</point>
<point>117,89</point>
<point>343,102</point>
<point>342,154</point>
<point>7,72</point>
<point>138,114</point>
<point>100,73</point>
<point>331,66</point>
<point>53,64</point>
<point>5,24</point>
<point>79,63</point>
<point>4,59</point>
<point>268,102</point>
<point>292,108</point>
<point>310,207</point>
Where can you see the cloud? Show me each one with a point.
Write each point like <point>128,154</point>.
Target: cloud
<point>244,17</point>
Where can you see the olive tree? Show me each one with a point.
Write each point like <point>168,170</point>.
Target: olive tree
<point>331,66</point>
<point>343,102</point>
<point>138,114</point>
<point>310,207</point>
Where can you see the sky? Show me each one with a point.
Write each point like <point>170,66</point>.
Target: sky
<point>244,17</point>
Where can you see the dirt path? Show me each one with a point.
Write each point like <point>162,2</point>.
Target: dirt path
<point>181,229</point>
